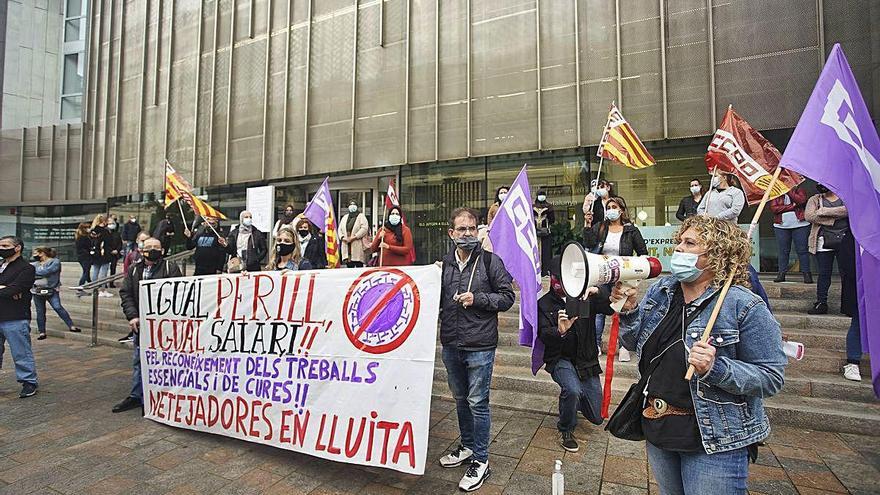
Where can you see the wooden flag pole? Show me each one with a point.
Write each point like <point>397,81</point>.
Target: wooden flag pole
<point>709,192</point>
<point>729,281</point>
<point>382,232</point>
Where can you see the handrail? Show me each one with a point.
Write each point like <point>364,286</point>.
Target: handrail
<point>94,286</point>
<point>112,278</point>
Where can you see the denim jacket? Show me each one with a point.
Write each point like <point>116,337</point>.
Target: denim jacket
<point>749,362</point>
<point>50,270</point>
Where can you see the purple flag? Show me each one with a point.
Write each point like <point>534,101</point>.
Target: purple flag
<point>513,239</point>
<point>836,144</point>
<point>320,206</point>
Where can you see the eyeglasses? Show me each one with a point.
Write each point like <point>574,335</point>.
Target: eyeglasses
<point>464,230</point>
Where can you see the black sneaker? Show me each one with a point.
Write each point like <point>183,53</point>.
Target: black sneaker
<point>473,478</point>
<point>27,390</point>
<point>42,336</point>
<point>75,329</point>
<point>808,278</point>
<point>127,338</point>
<point>568,442</point>
<point>819,308</point>
<point>780,277</point>
<point>127,405</point>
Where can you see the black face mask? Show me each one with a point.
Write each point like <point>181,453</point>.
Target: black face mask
<point>822,189</point>
<point>303,233</point>
<point>7,253</point>
<point>36,258</point>
<point>153,255</point>
<point>285,249</point>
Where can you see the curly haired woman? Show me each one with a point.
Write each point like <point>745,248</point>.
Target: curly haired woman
<point>701,433</point>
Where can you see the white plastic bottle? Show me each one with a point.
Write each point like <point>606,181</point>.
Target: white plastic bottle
<point>558,480</point>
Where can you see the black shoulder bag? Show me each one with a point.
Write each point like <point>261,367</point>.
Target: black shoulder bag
<point>626,422</point>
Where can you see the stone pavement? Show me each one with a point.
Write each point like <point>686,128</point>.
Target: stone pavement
<point>65,440</point>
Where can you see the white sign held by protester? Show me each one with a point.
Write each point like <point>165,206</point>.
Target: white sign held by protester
<point>336,364</point>
<point>261,204</point>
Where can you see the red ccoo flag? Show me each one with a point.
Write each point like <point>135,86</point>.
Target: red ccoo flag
<point>391,198</point>
<point>738,148</point>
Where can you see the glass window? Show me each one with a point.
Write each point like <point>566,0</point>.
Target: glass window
<point>73,79</point>
<point>71,107</point>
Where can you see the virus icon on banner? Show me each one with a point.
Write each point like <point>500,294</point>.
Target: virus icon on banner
<point>381,308</point>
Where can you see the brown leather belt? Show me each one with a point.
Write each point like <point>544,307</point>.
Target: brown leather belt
<point>658,408</point>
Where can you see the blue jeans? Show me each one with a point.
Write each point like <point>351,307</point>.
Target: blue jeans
<point>54,301</point>
<point>100,271</point>
<point>784,238</point>
<point>576,395</point>
<point>698,473</point>
<point>18,334</point>
<point>469,374</point>
<point>825,259</point>
<point>854,341</point>
<point>137,387</point>
<point>600,328</point>
<point>86,271</point>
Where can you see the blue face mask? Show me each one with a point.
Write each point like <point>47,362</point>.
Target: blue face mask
<point>684,266</point>
<point>612,214</point>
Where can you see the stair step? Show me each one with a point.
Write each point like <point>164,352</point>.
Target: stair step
<point>824,414</point>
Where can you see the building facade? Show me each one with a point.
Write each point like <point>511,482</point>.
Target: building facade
<point>451,97</point>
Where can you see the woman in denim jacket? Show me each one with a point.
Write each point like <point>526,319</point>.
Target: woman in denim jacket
<point>45,290</point>
<point>701,433</point>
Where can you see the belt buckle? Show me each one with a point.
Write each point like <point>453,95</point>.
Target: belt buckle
<point>660,406</point>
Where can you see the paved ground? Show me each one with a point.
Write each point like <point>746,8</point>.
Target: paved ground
<point>65,440</point>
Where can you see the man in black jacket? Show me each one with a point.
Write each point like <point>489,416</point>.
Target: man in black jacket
<point>150,267</point>
<point>165,232</point>
<point>570,355</point>
<point>475,288</point>
<point>129,234</point>
<point>16,280</point>
<point>210,255</point>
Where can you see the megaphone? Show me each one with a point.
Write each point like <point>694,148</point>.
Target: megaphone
<point>581,269</point>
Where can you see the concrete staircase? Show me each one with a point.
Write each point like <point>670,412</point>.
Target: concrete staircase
<point>815,395</point>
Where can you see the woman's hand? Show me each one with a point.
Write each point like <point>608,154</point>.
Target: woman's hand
<point>563,323</point>
<point>702,357</point>
<point>619,292</point>
<point>383,245</point>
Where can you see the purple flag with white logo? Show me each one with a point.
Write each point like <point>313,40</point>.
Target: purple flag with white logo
<point>836,144</point>
<point>320,206</point>
<point>514,241</point>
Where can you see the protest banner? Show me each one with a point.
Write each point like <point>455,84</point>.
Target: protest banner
<point>332,363</point>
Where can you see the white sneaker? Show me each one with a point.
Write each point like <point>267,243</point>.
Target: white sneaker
<point>851,372</point>
<point>623,356</point>
<point>476,474</point>
<point>457,457</point>
<point>105,293</point>
<point>600,349</point>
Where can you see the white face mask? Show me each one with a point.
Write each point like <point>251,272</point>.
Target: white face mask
<point>502,196</point>
<point>716,181</point>
<point>602,192</point>
<point>612,214</point>
<point>394,219</point>
<point>695,189</point>
<point>542,197</point>
<point>247,222</point>
<point>352,208</point>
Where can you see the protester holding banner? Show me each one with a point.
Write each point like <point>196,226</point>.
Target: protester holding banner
<point>830,223</point>
<point>16,280</point>
<point>687,207</point>
<point>48,279</point>
<point>702,432</point>
<point>247,243</point>
<point>475,288</point>
<point>353,229</point>
<point>725,201</point>
<point>210,248</point>
<point>394,241</point>
<point>789,225</point>
<point>311,245</point>
<point>570,356</point>
<point>614,236</point>
<point>151,267</point>
<point>545,217</point>
<point>287,253</point>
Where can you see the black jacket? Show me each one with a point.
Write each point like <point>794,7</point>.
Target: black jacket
<point>631,241</point>
<point>130,291</point>
<point>164,232</point>
<point>210,256</point>
<point>83,247</point>
<point>686,208</point>
<point>15,296</point>
<point>130,231</point>
<point>474,328</point>
<point>99,251</point>
<point>316,252</point>
<point>113,243</point>
<point>578,345</point>
<point>256,249</point>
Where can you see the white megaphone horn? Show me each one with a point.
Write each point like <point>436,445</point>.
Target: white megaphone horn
<point>581,269</point>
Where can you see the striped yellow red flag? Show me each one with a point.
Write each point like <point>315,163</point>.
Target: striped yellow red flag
<point>621,144</point>
<point>331,243</point>
<point>176,188</point>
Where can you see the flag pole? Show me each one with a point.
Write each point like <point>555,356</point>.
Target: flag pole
<point>601,157</point>
<point>382,232</point>
<point>729,281</point>
<point>709,192</point>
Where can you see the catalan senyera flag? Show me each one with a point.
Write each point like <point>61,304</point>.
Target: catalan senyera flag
<point>319,211</point>
<point>738,148</point>
<point>621,144</point>
<point>176,188</point>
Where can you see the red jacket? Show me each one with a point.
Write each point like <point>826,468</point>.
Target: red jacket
<point>798,199</point>
<point>397,253</point>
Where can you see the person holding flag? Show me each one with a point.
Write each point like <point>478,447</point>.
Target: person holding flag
<point>320,213</point>
<point>394,241</point>
<point>836,143</point>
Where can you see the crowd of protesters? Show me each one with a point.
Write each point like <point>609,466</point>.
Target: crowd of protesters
<point>658,328</point>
